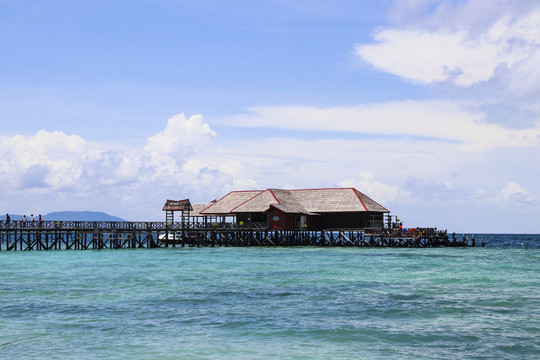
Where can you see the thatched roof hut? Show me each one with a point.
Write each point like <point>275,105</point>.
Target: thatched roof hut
<point>286,209</point>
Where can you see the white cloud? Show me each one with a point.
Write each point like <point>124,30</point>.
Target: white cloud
<point>55,154</point>
<point>178,161</point>
<point>513,192</point>
<point>378,191</point>
<point>435,57</point>
<point>181,134</point>
<point>524,80</point>
<point>463,43</point>
<point>66,172</point>
<point>429,189</point>
<point>441,120</point>
<point>184,154</point>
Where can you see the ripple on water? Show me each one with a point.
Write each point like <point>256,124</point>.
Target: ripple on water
<point>295,303</point>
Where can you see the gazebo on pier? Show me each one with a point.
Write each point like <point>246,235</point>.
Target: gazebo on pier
<point>171,206</point>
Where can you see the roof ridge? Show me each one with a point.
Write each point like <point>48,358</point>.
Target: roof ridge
<point>212,204</point>
<point>274,195</point>
<point>329,188</point>
<point>359,198</point>
<point>251,198</point>
<point>358,191</point>
<point>229,193</point>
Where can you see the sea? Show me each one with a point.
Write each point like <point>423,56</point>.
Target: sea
<point>274,303</point>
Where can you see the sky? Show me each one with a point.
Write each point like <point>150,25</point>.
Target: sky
<point>430,107</point>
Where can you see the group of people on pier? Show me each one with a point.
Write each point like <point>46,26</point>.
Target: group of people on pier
<point>25,222</point>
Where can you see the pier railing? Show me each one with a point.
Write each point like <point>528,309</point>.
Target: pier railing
<point>122,225</point>
<point>90,225</point>
<point>83,235</point>
<point>158,225</point>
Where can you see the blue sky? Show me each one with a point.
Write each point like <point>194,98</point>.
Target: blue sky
<point>429,107</point>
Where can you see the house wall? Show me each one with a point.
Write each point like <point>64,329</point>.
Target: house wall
<point>277,219</point>
<point>313,222</point>
<point>354,220</point>
<point>248,218</point>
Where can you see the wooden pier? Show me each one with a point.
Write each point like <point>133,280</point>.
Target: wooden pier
<point>97,235</point>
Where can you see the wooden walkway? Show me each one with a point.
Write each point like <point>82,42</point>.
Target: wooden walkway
<point>97,235</point>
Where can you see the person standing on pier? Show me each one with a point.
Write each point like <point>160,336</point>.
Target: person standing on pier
<point>24,220</point>
<point>40,220</point>
<point>8,220</point>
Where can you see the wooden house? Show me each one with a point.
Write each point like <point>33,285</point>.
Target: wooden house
<point>313,209</point>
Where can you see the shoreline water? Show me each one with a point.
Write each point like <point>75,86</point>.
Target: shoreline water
<point>296,303</point>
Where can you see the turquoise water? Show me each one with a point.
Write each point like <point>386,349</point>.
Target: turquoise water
<point>269,303</point>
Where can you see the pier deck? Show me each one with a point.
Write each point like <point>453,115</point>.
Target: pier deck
<point>97,235</point>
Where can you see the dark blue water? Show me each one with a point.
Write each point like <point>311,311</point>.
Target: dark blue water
<point>509,240</point>
<point>267,303</point>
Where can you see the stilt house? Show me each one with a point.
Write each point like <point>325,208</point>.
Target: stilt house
<point>310,209</point>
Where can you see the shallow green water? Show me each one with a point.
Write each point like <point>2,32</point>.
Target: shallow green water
<point>267,303</point>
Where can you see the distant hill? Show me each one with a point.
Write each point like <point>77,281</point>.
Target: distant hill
<point>69,216</point>
<point>12,216</point>
<point>80,216</point>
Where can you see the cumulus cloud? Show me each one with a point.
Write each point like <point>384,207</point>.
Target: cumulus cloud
<point>178,160</point>
<point>181,134</point>
<point>464,43</point>
<point>66,172</point>
<point>47,159</point>
<point>34,177</point>
<point>184,154</point>
<point>513,192</point>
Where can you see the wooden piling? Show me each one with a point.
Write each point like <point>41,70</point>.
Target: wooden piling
<point>82,235</point>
